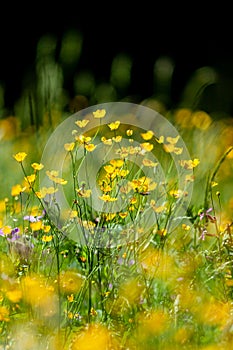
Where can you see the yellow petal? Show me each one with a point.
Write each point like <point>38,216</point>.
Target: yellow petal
<point>147,135</point>
<point>99,113</point>
<point>114,125</point>
<point>82,123</point>
<point>20,156</point>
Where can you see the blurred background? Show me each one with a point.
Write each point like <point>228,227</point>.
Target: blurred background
<point>181,56</point>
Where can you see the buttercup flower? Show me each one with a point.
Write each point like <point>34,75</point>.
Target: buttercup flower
<point>114,125</point>
<point>69,146</point>
<point>147,135</point>
<point>37,166</point>
<point>20,156</point>
<point>99,113</point>
<point>82,123</point>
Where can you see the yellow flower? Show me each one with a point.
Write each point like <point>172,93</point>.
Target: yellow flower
<point>109,169</point>
<point>37,166</point>
<point>105,141</point>
<point>110,216</point>
<point>117,138</point>
<point>83,139</point>
<point>30,178</point>
<point>70,298</point>
<point>36,226</point>
<point>4,314</point>
<point>84,193</point>
<point>189,164</point>
<point>60,181</point>
<point>160,139</point>
<point>143,184</point>
<point>149,163</point>
<point>99,113</point>
<point>51,190</point>
<point>107,198</point>
<point>14,295</point>
<point>46,190</point>
<point>20,156</point>
<point>159,209</point>
<point>147,135</point>
<point>82,123</point>
<point>176,193</point>
<point>146,146</point>
<point>129,132</point>
<point>90,147</point>
<point>46,238</point>
<point>6,230</point>
<point>117,162</point>
<point>73,214</point>
<point>46,228</point>
<point>114,125</point>
<point>133,200</point>
<point>173,140</point>
<point>123,215</point>
<point>69,146</point>
<point>186,227</point>
<point>162,232</point>
<point>178,150</point>
<point>123,173</point>
<point>169,148</point>
<point>17,189</point>
<point>53,176</point>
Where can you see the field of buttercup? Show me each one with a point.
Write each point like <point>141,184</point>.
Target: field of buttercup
<point>115,215</point>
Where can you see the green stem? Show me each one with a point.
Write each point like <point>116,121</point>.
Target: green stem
<point>213,175</point>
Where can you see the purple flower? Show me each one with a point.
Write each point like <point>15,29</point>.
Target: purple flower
<point>205,213</point>
<point>203,234</point>
<point>131,262</point>
<point>32,218</point>
<point>1,233</point>
<point>14,235</point>
<point>208,217</point>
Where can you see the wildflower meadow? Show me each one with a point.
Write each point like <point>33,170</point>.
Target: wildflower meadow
<point>115,222</point>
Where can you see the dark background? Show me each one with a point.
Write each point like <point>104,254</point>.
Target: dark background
<point>192,37</point>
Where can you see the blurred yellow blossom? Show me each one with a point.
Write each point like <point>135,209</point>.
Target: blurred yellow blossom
<point>17,190</point>
<point>147,135</point>
<point>149,163</point>
<point>107,198</point>
<point>69,146</point>
<point>82,123</point>
<point>99,113</point>
<point>30,178</point>
<point>46,238</point>
<point>20,156</point>
<point>107,142</point>
<point>90,147</point>
<point>146,146</point>
<point>4,314</point>
<point>129,132</point>
<point>189,164</point>
<point>37,166</point>
<point>114,125</point>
